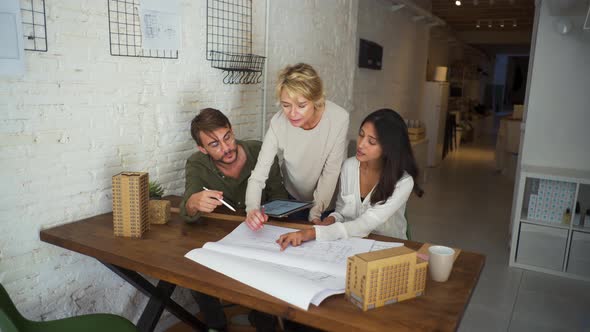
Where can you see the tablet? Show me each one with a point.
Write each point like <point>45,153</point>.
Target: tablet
<point>280,208</point>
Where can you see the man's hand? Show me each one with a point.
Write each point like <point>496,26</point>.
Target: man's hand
<point>327,221</point>
<point>296,238</point>
<point>256,219</point>
<point>203,201</point>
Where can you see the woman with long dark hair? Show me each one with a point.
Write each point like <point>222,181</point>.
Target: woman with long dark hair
<point>374,185</point>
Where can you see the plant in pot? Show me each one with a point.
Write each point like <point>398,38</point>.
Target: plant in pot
<point>156,190</point>
<point>159,208</point>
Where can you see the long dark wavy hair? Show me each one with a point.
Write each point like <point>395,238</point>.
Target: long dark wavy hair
<point>397,154</point>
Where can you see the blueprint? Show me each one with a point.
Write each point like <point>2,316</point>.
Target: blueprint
<point>325,256</point>
<point>313,271</point>
<point>380,245</point>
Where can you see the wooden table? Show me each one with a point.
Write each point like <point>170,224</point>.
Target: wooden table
<point>160,254</point>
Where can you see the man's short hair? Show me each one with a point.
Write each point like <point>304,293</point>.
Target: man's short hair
<point>208,120</point>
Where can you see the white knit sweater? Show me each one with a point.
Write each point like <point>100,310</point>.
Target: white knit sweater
<point>310,159</point>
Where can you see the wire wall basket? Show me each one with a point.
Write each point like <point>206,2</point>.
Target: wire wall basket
<point>229,41</point>
<point>34,25</point>
<point>238,68</point>
<point>125,32</point>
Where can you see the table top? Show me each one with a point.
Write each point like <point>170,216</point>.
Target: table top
<point>160,254</point>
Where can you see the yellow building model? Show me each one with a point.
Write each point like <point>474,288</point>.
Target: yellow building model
<point>130,204</point>
<point>377,278</point>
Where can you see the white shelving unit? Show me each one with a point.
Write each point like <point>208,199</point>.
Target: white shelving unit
<point>560,247</point>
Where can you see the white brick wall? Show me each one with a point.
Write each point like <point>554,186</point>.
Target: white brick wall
<point>321,33</point>
<point>79,116</point>
<point>398,84</point>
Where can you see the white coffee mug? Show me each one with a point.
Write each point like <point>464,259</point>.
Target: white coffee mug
<point>440,262</point>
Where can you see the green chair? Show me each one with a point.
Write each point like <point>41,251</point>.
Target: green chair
<point>408,233</point>
<point>12,321</point>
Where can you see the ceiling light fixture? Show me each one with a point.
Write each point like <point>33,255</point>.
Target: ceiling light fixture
<point>563,25</point>
<point>498,22</point>
<point>458,2</point>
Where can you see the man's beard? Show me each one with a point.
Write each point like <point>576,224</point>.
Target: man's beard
<point>221,161</point>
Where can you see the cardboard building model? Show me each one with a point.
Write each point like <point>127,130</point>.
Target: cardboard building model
<point>130,204</point>
<point>377,278</point>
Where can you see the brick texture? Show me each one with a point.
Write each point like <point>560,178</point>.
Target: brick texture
<point>79,116</point>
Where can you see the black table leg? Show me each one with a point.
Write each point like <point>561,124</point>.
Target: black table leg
<point>152,312</point>
<point>159,299</point>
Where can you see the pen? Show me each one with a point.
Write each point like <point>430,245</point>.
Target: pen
<point>222,201</point>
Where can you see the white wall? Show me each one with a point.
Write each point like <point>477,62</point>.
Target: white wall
<point>438,51</point>
<point>321,33</point>
<point>79,116</point>
<point>558,113</point>
<point>399,83</point>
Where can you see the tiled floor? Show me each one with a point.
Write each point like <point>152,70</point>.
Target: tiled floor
<point>467,205</point>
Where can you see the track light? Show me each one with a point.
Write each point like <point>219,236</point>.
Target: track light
<point>458,3</point>
<point>500,22</point>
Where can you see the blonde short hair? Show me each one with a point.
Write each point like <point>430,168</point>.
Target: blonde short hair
<point>301,80</point>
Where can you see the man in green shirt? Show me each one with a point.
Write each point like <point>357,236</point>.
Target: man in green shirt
<point>222,165</point>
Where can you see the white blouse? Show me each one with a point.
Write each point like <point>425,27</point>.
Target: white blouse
<point>358,218</point>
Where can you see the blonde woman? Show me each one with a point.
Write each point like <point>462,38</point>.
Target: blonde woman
<point>309,135</point>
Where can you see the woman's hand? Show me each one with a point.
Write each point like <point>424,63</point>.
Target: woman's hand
<point>256,219</point>
<point>327,221</point>
<point>296,238</point>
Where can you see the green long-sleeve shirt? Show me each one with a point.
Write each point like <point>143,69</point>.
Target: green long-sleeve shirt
<point>202,172</point>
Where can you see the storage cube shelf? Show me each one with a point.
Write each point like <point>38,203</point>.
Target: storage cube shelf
<point>548,200</point>
<point>579,257</point>
<point>542,246</point>
<point>549,234</point>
